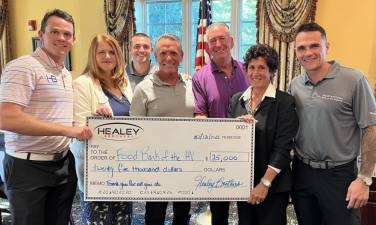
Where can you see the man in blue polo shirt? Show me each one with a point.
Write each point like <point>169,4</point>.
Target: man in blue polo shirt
<point>337,118</point>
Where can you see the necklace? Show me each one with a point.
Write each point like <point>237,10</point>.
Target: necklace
<point>114,92</point>
<point>253,104</point>
<point>120,98</point>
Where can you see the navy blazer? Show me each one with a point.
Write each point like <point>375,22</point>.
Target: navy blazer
<point>277,125</point>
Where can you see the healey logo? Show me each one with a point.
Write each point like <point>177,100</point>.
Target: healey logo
<point>119,131</point>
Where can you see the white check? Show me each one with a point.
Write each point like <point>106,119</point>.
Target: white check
<point>168,159</point>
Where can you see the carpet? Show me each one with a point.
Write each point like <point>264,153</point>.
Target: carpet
<point>198,209</point>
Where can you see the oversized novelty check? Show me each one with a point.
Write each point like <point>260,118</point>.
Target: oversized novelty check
<point>168,159</point>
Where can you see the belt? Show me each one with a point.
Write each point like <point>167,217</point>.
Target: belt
<point>316,164</point>
<point>38,156</point>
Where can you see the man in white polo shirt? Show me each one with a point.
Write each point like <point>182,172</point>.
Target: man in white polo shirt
<point>36,109</point>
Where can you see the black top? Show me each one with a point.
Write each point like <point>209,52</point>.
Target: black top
<point>277,125</point>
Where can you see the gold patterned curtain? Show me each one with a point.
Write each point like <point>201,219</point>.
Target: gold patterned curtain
<point>120,22</point>
<point>277,21</point>
<point>5,51</point>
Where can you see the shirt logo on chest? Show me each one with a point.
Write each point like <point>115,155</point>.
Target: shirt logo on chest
<point>51,79</point>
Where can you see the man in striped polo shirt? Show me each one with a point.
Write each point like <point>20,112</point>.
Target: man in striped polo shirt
<point>36,110</point>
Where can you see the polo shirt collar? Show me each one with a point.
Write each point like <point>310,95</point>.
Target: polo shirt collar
<point>129,69</point>
<point>215,68</point>
<point>330,75</point>
<point>40,53</point>
<point>270,92</point>
<point>155,79</point>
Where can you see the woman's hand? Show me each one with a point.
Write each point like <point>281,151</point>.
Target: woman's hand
<point>247,118</point>
<point>258,194</point>
<point>103,111</point>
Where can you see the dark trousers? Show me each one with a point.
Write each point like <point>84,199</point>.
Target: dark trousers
<point>272,211</point>
<point>40,192</point>
<point>219,211</point>
<point>319,195</point>
<point>156,212</point>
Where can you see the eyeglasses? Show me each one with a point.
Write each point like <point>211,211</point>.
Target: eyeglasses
<point>56,34</point>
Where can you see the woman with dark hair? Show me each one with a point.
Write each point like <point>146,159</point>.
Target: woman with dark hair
<point>103,86</point>
<point>276,126</point>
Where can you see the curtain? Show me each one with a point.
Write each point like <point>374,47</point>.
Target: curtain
<point>120,22</point>
<point>277,21</point>
<point>5,50</point>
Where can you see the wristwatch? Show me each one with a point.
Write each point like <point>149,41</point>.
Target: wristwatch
<point>367,180</point>
<point>267,183</point>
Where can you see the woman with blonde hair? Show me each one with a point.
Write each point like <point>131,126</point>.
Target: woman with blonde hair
<point>103,85</point>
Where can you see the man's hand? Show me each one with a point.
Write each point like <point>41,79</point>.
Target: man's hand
<point>258,194</point>
<point>357,194</point>
<point>81,133</point>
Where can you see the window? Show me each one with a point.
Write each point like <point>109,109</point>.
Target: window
<point>156,17</point>
<point>247,26</point>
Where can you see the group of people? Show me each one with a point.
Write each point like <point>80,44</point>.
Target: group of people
<point>328,118</point>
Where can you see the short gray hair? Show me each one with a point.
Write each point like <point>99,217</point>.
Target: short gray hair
<point>170,37</point>
<point>211,26</point>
